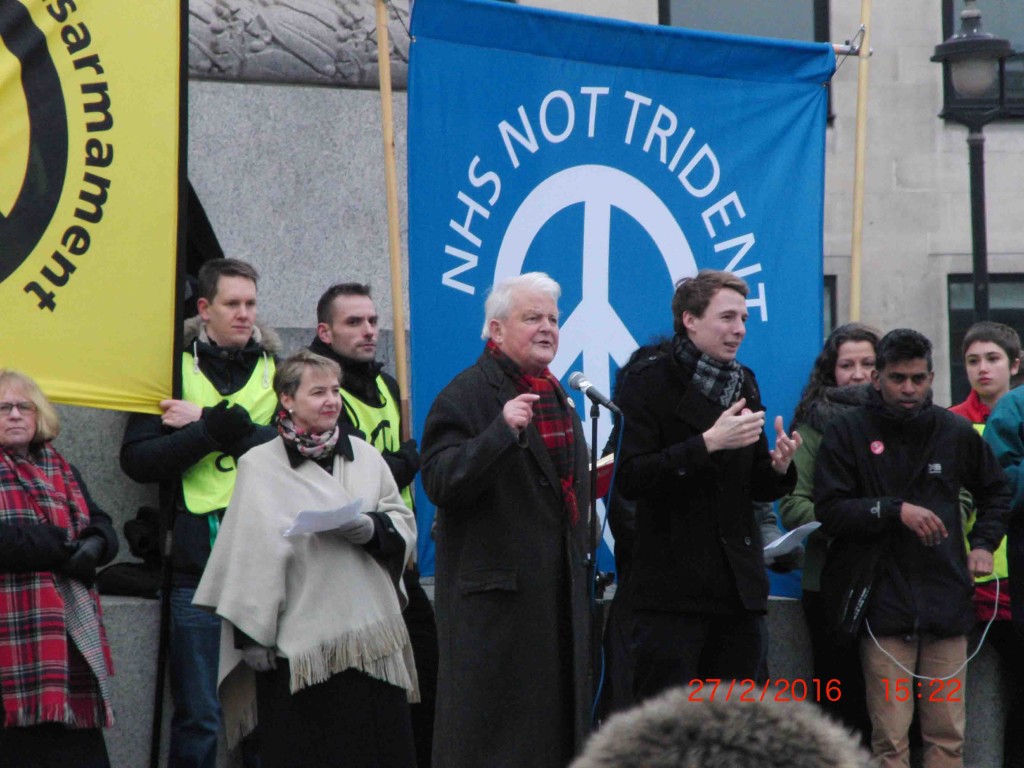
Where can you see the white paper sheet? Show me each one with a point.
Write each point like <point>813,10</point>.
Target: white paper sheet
<point>786,544</point>
<point>317,520</point>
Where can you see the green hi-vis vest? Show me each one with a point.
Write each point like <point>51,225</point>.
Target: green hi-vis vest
<point>999,564</point>
<point>380,425</point>
<point>207,484</point>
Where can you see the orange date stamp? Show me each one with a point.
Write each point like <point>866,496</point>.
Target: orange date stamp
<point>778,689</point>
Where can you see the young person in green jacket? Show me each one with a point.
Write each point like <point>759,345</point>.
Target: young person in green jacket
<point>837,383</point>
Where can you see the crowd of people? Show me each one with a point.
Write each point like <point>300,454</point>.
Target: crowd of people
<point>298,625</point>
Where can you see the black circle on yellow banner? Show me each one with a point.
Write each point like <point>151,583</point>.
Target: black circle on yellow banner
<point>40,192</point>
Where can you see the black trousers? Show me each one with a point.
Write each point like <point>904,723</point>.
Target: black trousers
<point>349,721</point>
<point>52,744</point>
<point>419,620</point>
<point>671,649</point>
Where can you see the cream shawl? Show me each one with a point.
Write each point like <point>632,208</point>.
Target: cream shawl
<point>320,601</point>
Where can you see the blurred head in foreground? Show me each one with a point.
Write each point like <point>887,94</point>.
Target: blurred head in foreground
<point>673,731</point>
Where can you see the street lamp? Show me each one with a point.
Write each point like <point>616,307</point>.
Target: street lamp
<point>976,62</point>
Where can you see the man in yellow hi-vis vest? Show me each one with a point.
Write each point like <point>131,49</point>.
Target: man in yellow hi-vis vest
<point>347,332</point>
<point>226,406</point>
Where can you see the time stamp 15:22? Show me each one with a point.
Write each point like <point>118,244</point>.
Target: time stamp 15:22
<point>905,689</point>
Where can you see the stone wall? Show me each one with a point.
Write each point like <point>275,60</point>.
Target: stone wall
<point>292,179</point>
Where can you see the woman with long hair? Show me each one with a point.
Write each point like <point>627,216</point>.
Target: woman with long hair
<point>838,382</point>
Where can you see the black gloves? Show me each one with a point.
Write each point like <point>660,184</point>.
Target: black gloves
<point>403,463</point>
<point>84,559</point>
<point>32,547</point>
<point>410,454</point>
<point>225,424</point>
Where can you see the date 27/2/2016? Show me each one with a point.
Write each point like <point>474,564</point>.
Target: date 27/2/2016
<point>779,689</point>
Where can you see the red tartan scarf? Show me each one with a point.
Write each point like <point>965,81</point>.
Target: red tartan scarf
<point>553,419</point>
<point>54,655</point>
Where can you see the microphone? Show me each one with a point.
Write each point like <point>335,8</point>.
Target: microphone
<point>579,381</point>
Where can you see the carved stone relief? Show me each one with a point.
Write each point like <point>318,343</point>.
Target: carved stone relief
<point>312,42</point>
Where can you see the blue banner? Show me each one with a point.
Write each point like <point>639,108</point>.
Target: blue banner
<point>618,158</point>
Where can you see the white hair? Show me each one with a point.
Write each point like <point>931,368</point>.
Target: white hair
<point>502,296</point>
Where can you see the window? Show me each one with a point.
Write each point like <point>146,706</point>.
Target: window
<point>1004,18</point>
<point>1006,305</point>
<point>787,19</point>
<point>829,306</point>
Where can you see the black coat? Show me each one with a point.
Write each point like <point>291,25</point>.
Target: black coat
<point>511,588</point>
<point>698,545</point>
<point>868,464</point>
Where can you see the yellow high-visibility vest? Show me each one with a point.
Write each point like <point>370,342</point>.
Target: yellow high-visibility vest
<point>207,484</point>
<point>380,425</point>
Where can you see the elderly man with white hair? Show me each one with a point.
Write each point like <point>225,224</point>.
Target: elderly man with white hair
<point>505,462</point>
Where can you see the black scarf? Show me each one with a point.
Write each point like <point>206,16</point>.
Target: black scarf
<point>719,382</point>
<point>895,412</point>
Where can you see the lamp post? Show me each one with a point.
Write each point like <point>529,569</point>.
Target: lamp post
<point>976,62</point>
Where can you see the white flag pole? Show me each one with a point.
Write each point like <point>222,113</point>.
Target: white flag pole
<point>860,153</point>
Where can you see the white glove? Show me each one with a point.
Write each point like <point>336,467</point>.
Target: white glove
<point>259,658</point>
<point>358,531</point>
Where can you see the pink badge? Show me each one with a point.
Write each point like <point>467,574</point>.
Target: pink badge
<point>878,447</point>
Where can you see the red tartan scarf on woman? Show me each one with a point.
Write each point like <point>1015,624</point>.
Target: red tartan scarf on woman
<point>553,419</point>
<point>54,656</point>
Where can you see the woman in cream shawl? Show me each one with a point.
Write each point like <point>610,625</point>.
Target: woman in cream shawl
<point>314,645</point>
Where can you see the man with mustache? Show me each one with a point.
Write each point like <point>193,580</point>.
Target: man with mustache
<point>887,485</point>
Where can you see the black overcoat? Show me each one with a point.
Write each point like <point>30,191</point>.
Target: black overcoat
<point>511,589</point>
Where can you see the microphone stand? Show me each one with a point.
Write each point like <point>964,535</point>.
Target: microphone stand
<point>595,414</point>
<point>596,623</point>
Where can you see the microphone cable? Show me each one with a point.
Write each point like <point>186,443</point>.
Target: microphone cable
<point>593,582</point>
<point>968,660</point>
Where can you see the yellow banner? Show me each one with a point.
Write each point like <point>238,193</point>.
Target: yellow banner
<point>89,178</point>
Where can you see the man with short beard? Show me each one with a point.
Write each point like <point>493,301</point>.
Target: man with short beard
<point>347,332</point>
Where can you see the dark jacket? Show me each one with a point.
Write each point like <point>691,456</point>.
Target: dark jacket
<point>871,461</point>
<point>1005,434</point>
<point>42,547</point>
<point>698,545</point>
<point>151,452</point>
<point>360,380</point>
<point>511,584</point>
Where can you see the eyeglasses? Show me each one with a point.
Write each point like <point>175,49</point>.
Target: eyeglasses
<point>25,407</point>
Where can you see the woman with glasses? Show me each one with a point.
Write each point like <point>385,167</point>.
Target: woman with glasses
<point>54,656</point>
